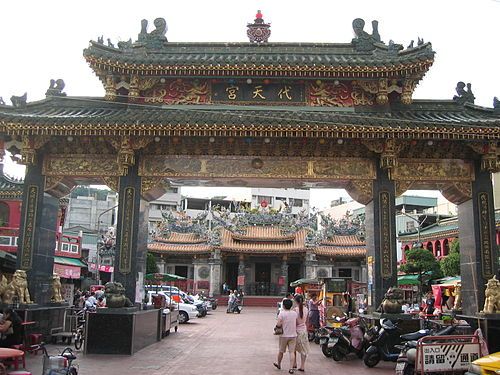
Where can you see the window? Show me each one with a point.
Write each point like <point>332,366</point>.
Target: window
<point>65,247</point>
<point>297,202</point>
<point>356,275</point>
<point>4,240</point>
<point>345,272</point>
<point>172,190</point>
<point>4,214</point>
<point>410,226</point>
<point>74,249</point>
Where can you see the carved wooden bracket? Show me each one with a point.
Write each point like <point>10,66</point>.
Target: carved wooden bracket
<point>110,88</point>
<point>457,193</point>
<point>402,186</point>
<point>153,187</point>
<point>490,153</point>
<point>58,186</point>
<point>360,190</point>
<point>407,93</point>
<point>113,182</point>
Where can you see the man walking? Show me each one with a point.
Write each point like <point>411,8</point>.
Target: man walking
<point>287,319</point>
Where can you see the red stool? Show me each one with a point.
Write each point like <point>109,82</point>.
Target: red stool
<point>34,340</point>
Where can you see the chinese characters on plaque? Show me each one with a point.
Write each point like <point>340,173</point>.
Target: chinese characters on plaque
<point>256,93</point>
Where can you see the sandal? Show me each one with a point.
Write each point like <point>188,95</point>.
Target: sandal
<point>301,370</point>
<point>290,371</point>
<point>277,366</point>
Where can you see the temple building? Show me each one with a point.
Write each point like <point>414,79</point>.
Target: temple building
<point>258,251</point>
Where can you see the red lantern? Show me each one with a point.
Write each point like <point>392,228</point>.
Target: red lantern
<point>263,204</point>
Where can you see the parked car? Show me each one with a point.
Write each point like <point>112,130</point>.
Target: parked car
<point>186,311</point>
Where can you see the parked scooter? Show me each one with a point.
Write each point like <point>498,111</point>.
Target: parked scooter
<point>350,339</point>
<point>383,346</point>
<point>406,359</point>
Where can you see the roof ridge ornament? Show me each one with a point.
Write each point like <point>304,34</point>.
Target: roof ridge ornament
<point>364,42</point>
<point>19,101</point>
<point>56,87</point>
<point>464,96</point>
<point>258,31</point>
<point>156,38</point>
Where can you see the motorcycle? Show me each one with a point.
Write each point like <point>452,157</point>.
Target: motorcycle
<point>351,338</point>
<point>406,359</point>
<point>383,346</point>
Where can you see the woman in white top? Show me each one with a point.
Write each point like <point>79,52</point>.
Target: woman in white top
<point>302,344</point>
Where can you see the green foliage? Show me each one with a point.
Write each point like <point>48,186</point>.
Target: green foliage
<point>451,264</point>
<point>421,262</point>
<point>151,266</point>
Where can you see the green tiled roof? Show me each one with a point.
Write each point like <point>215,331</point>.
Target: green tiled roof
<point>434,116</point>
<point>267,54</point>
<point>10,187</point>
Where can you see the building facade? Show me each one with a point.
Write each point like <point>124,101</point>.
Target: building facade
<point>258,251</point>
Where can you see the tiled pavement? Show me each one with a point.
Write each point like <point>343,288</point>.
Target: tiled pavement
<point>217,344</point>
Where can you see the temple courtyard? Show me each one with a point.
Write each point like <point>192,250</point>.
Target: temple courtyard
<point>217,344</point>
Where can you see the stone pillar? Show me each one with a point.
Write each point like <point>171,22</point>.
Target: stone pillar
<point>215,264</point>
<point>241,273</point>
<point>478,250</point>
<point>131,235</point>
<point>284,276</point>
<point>311,266</point>
<point>381,239</point>
<point>37,237</point>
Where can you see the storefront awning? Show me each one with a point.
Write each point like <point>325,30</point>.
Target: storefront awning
<point>408,280</point>
<point>69,262</point>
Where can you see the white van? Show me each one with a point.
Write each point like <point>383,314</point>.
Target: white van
<point>186,311</point>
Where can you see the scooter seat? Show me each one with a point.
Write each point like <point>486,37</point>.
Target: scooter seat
<point>412,344</point>
<point>415,335</point>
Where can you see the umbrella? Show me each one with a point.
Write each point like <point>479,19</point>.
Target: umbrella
<point>304,281</point>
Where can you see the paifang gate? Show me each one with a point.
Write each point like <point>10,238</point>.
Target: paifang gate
<point>259,114</point>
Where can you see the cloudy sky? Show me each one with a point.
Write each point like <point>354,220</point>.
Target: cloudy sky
<point>44,39</point>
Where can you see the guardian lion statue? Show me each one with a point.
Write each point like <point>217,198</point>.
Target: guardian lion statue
<point>393,300</point>
<point>17,287</point>
<point>492,297</point>
<point>56,289</point>
<point>115,295</point>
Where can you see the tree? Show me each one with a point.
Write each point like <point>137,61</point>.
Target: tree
<point>422,262</point>
<point>451,264</point>
<point>151,266</point>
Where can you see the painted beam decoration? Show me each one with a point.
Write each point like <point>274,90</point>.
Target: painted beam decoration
<point>319,93</point>
<point>29,228</point>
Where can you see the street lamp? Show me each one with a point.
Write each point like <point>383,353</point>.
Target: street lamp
<point>419,224</point>
<point>98,256</point>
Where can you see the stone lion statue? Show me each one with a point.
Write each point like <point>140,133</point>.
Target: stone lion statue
<point>393,300</point>
<point>457,305</point>
<point>17,287</point>
<point>56,289</point>
<point>492,297</point>
<point>115,295</point>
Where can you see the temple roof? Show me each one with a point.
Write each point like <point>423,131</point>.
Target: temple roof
<point>74,115</point>
<point>266,59</point>
<point>10,187</point>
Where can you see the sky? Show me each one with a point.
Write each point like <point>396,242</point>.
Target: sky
<point>42,40</point>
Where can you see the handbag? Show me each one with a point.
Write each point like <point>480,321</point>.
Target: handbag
<point>278,330</point>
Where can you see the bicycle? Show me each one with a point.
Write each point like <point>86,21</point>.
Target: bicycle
<point>61,364</point>
<point>79,334</point>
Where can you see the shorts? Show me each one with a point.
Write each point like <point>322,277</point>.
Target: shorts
<point>287,342</point>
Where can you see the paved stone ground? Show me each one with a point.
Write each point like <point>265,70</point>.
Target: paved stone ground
<point>217,344</point>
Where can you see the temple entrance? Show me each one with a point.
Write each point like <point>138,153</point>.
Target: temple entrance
<point>293,274</point>
<point>262,279</point>
<point>232,275</point>
<point>181,271</point>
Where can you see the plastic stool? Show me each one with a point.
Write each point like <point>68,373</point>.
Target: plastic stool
<point>15,360</point>
<point>19,372</point>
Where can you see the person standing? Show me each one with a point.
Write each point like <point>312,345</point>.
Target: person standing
<point>287,320</point>
<point>231,300</point>
<point>225,288</point>
<point>313,306</point>
<point>302,345</point>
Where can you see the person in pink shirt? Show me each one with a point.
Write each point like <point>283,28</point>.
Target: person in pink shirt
<point>302,344</point>
<point>287,319</point>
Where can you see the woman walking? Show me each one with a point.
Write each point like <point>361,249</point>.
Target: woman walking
<point>287,319</point>
<point>302,344</point>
